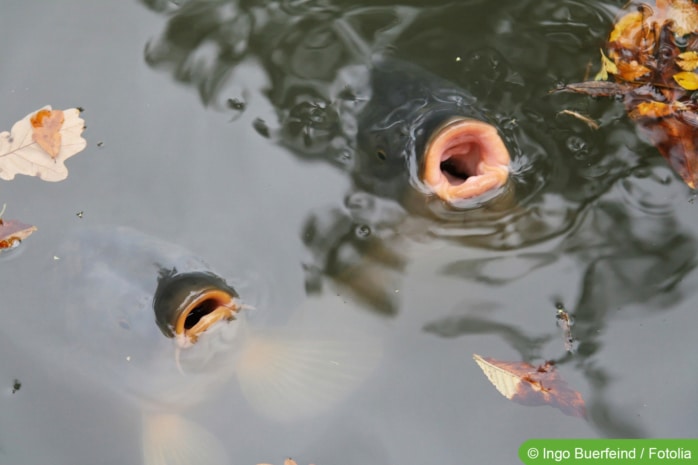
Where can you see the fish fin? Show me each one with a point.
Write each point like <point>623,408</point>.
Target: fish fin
<point>287,374</point>
<point>170,439</point>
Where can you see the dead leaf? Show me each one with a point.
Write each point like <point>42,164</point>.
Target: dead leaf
<point>631,71</point>
<point>12,232</point>
<point>39,144</point>
<point>596,88</point>
<point>525,384</point>
<point>688,61</point>
<point>687,79</point>
<point>651,109</point>
<point>47,125</point>
<point>607,66</point>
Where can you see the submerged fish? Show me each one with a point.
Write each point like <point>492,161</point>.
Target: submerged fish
<point>428,128</point>
<point>151,322</point>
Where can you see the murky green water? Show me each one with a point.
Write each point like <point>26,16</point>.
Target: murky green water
<point>230,128</point>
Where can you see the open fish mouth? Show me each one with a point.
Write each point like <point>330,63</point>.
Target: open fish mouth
<point>207,309</point>
<point>465,158</point>
<point>187,305</point>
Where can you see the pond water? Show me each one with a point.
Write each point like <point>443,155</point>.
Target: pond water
<point>230,129</point>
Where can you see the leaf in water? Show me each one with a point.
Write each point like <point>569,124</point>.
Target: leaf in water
<point>596,88</point>
<point>12,232</point>
<point>39,144</point>
<point>607,67</point>
<point>652,109</point>
<point>688,61</point>
<point>647,48</point>
<point>528,385</point>
<point>687,79</point>
<point>632,71</point>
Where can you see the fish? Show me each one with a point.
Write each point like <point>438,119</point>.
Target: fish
<point>154,324</point>
<point>426,130</point>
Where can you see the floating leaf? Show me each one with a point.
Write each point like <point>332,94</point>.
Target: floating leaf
<point>39,144</point>
<point>687,79</point>
<point>652,109</point>
<point>631,71</point>
<point>528,385</point>
<point>688,61</point>
<point>607,66</point>
<point>596,88</point>
<point>13,232</point>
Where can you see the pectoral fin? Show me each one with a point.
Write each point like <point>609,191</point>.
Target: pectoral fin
<point>170,439</point>
<point>287,374</point>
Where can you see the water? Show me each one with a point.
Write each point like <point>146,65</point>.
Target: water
<point>240,143</point>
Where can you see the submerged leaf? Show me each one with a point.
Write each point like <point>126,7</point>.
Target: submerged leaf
<point>525,384</point>
<point>39,144</point>
<point>13,232</point>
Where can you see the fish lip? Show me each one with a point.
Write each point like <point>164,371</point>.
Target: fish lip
<point>476,150</point>
<point>219,306</point>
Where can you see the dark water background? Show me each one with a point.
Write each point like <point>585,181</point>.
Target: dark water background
<point>227,127</point>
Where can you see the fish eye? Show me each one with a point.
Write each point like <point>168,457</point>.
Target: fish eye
<point>380,153</point>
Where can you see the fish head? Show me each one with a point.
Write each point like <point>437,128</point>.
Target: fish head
<point>145,318</point>
<point>422,131</point>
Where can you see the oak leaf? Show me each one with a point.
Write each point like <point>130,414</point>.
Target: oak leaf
<point>525,384</point>
<point>39,144</point>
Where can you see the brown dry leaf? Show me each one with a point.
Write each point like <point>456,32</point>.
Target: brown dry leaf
<point>687,79</point>
<point>631,71</point>
<point>596,88</point>
<point>13,232</point>
<point>46,126</point>
<point>525,384</point>
<point>652,109</point>
<point>688,61</point>
<point>39,144</point>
